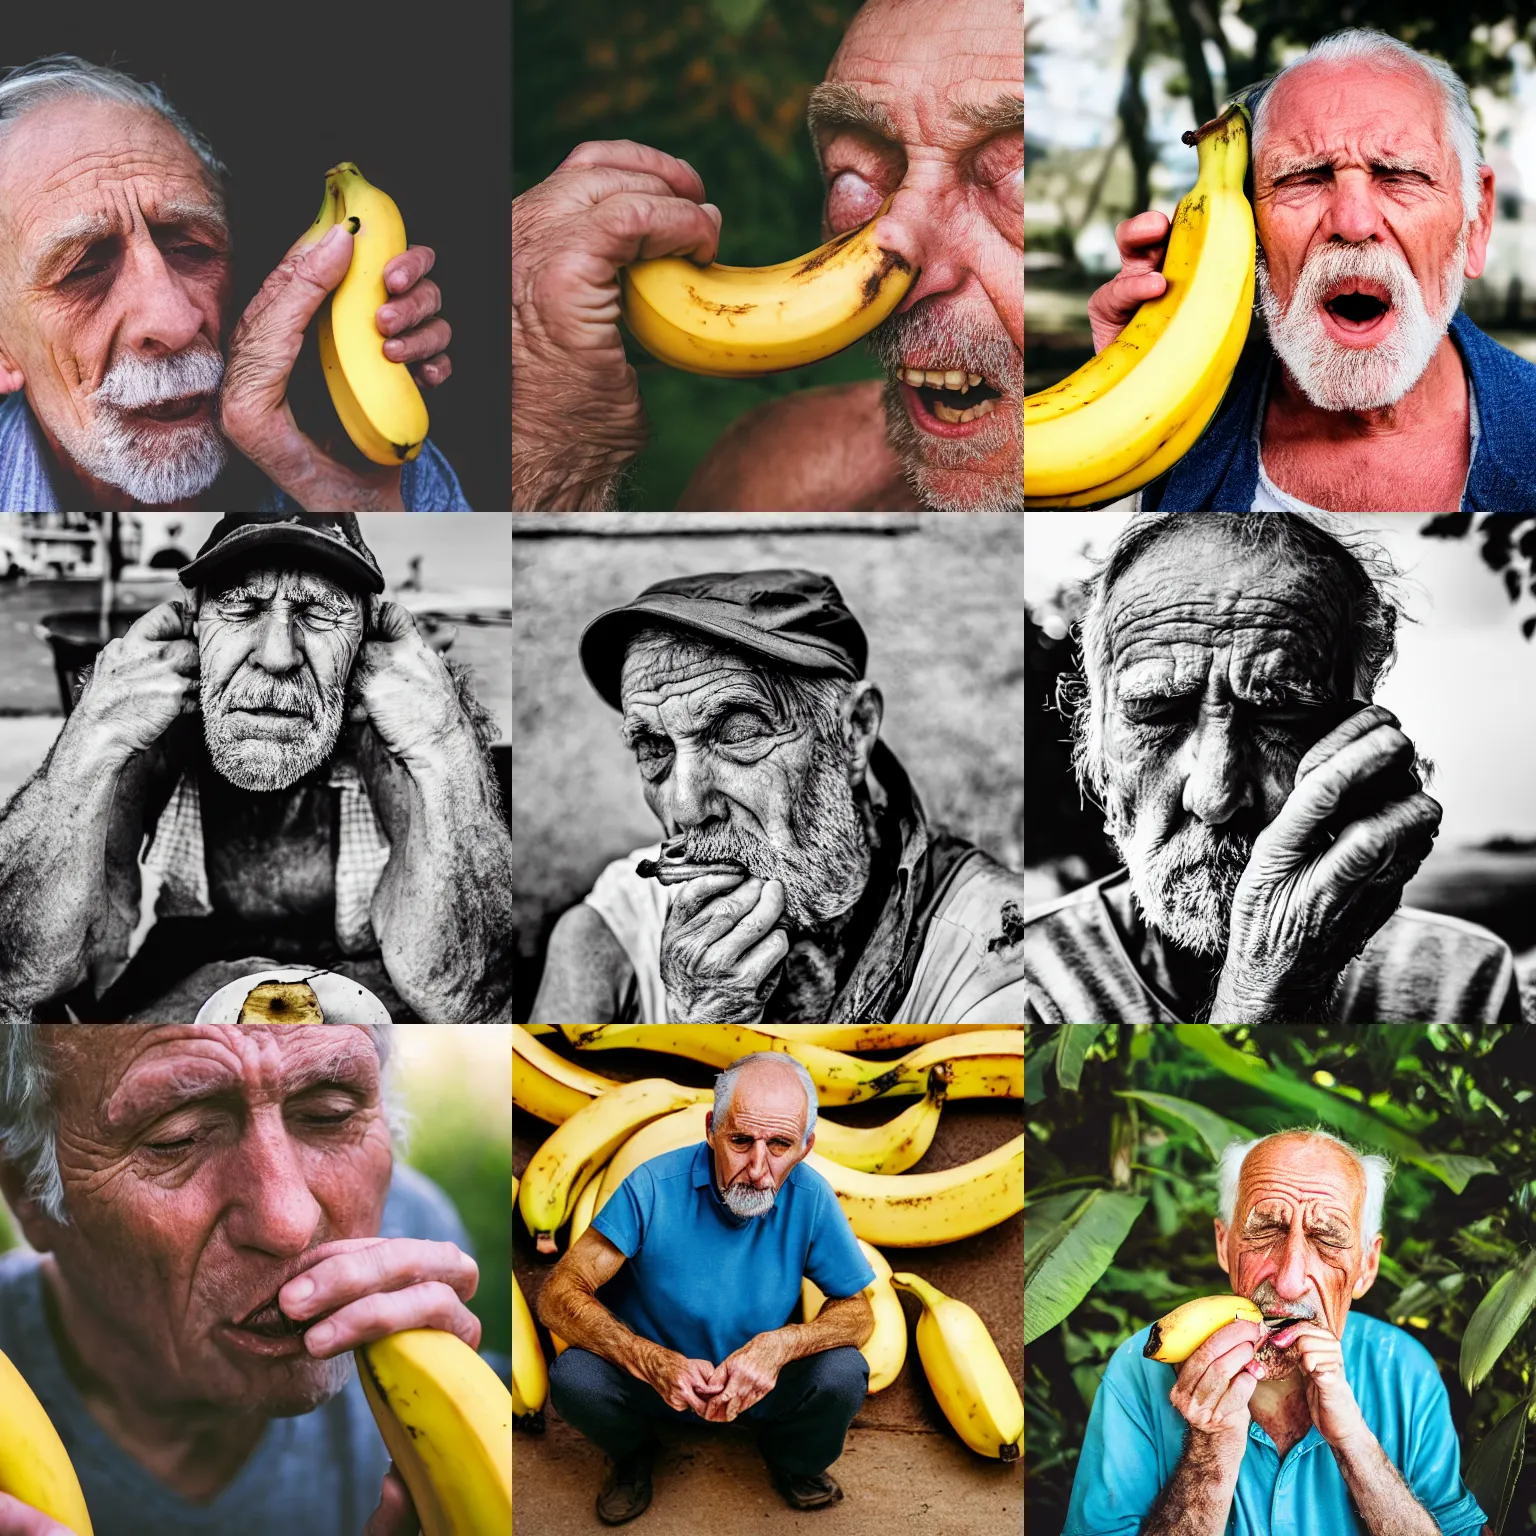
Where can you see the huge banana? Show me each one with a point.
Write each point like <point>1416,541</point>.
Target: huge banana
<point>886,1347</point>
<point>917,1210</point>
<point>530,1375</point>
<point>562,1167</point>
<point>34,1466</point>
<point>376,398</point>
<point>548,1086</point>
<point>734,321</point>
<point>1136,408</point>
<point>447,1421</point>
<point>968,1375</point>
<point>1177,1336</point>
<point>872,1037</point>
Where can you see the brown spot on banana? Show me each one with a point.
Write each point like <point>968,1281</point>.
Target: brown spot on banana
<point>714,307</point>
<point>874,284</point>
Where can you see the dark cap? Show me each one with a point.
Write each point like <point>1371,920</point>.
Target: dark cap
<point>797,618</point>
<point>330,542</point>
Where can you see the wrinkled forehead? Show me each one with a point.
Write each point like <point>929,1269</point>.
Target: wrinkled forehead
<point>768,1098</point>
<point>1292,1174</point>
<point>286,583</point>
<point>662,663</point>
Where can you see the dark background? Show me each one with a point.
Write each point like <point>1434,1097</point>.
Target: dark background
<point>285,89</point>
<point>723,85</point>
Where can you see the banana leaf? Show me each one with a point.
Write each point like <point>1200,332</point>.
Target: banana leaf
<point>1063,1259</point>
<point>1494,1468</point>
<point>1358,1123</point>
<point>1213,1129</point>
<point>1071,1050</point>
<point>1499,1317</point>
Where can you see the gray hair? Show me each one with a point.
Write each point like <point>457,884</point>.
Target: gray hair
<point>1364,570</point>
<point>1368,45</point>
<point>65,74</point>
<point>1375,1170</point>
<point>725,1085</point>
<point>29,1121</point>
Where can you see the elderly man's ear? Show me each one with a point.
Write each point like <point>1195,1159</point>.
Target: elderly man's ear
<point>12,379</point>
<point>863,710</point>
<point>35,1227</point>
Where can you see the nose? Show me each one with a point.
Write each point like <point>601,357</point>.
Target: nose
<point>1290,1278</point>
<point>159,316</point>
<point>272,1210</point>
<point>757,1163</point>
<point>1352,212</point>
<point>908,229</point>
<point>273,649</point>
<point>693,797</point>
<point>1217,784</point>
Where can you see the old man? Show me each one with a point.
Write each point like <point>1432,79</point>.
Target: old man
<point>1267,812</point>
<point>700,1254</point>
<point>120,383</point>
<point>300,774</point>
<point>1317,1422</point>
<point>216,1218</point>
<point>924,100</point>
<point>1372,392</point>
<point>800,878</point>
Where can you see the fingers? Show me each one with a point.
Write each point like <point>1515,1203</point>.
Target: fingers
<point>1141,241</point>
<point>760,962</point>
<point>404,271</point>
<point>1370,750</point>
<point>637,226</point>
<point>679,177</point>
<point>395,1514</point>
<point>1226,1338</point>
<point>1362,719</point>
<point>170,620</point>
<point>1397,838</point>
<point>386,1265</point>
<point>435,371</point>
<point>18,1519</point>
<point>429,339</point>
<point>409,310</point>
<point>755,922</point>
<point>431,1304</point>
<point>697,894</point>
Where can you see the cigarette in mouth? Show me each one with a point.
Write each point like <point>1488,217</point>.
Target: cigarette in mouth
<point>673,867</point>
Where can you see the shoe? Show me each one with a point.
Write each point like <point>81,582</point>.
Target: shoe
<point>627,1488</point>
<point>814,1492</point>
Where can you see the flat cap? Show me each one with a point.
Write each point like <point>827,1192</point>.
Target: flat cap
<point>330,542</point>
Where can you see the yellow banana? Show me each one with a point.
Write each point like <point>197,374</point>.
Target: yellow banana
<point>530,1376</point>
<point>871,1037</point>
<point>34,1466</point>
<point>548,1086</point>
<point>377,399</point>
<point>1107,430</point>
<point>969,1377</point>
<point>917,1210</point>
<point>734,321</point>
<point>886,1347</point>
<point>1177,1336</point>
<point>576,1151</point>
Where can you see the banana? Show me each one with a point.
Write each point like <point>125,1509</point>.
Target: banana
<point>917,1210</point>
<point>530,1376</point>
<point>562,1167</point>
<point>377,399</point>
<point>969,1378</point>
<point>34,1466</point>
<point>734,321</point>
<point>1177,1336</point>
<point>872,1037</point>
<point>447,1421</point>
<point>548,1086</point>
<point>886,1348</point>
<point>1132,411</point>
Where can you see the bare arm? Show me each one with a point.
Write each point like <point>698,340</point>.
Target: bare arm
<point>1195,1501</point>
<point>848,1321</point>
<point>1384,1501</point>
<point>586,972</point>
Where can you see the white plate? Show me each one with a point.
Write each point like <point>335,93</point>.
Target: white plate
<point>342,1000</point>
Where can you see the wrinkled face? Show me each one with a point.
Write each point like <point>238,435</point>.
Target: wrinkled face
<point>1223,672</point>
<point>205,1166</point>
<point>1295,1247</point>
<point>1365,242</point>
<point>115,276</point>
<point>276,649</point>
<point>928,97</point>
<point>761,1138</point>
<point>726,755</point>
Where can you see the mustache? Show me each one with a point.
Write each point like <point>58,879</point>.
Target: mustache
<point>133,383</point>
<point>272,696</point>
<point>1332,264</point>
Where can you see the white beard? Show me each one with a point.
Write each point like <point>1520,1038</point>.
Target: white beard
<point>1185,886</point>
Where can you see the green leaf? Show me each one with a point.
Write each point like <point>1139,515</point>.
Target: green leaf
<point>1062,1264</point>
<point>1494,1467</point>
<point>1034,1071</point>
<point>1213,1129</point>
<point>1072,1044</point>
<point>737,15</point>
<point>1499,1317</point>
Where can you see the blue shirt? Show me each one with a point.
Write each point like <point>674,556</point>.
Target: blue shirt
<point>702,1281</point>
<point>1135,1437</point>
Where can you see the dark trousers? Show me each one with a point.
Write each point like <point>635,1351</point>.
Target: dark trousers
<point>801,1423</point>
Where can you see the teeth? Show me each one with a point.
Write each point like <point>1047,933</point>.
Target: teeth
<point>973,379</point>
<point>954,378</point>
<point>954,417</point>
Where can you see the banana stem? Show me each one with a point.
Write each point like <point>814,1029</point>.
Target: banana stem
<point>1193,136</point>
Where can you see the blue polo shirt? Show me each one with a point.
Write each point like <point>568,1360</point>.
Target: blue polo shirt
<point>1135,1437</point>
<point>702,1281</point>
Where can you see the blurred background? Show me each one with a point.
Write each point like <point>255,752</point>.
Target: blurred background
<point>723,85</point>
<point>937,594</point>
<point>1110,85</point>
<point>1463,675</point>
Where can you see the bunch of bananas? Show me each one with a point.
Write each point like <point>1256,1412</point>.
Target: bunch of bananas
<point>605,1129</point>
<point>1136,409</point>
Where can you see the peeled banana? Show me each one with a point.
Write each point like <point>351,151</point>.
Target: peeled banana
<point>1177,1336</point>
<point>548,1086</point>
<point>376,398</point>
<point>734,321</point>
<point>885,1349</point>
<point>34,1466</point>
<point>970,1380</point>
<point>447,1421</point>
<point>1133,411</point>
<point>530,1375</point>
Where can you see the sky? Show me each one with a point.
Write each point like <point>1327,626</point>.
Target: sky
<point>1464,685</point>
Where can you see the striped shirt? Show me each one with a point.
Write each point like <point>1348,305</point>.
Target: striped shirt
<point>1420,967</point>
<point>427,482</point>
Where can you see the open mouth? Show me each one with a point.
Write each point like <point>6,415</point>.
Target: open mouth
<point>1357,308</point>
<point>269,1321</point>
<point>954,396</point>
<point>182,409</point>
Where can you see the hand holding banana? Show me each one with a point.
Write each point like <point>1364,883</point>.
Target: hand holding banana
<point>1213,1341</point>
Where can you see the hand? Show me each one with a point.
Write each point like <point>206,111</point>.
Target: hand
<point>18,1519</point>
<point>1142,242</point>
<point>404,689</point>
<point>370,1287</point>
<point>575,401</point>
<point>744,1378</point>
<point>1305,905</point>
<point>395,1515</point>
<point>1320,1358</point>
<point>416,334</point>
<point>720,950</point>
<point>142,682</point>
<point>682,1384</point>
<point>1214,1386</point>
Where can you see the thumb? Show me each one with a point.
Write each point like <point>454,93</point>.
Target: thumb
<point>170,620</point>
